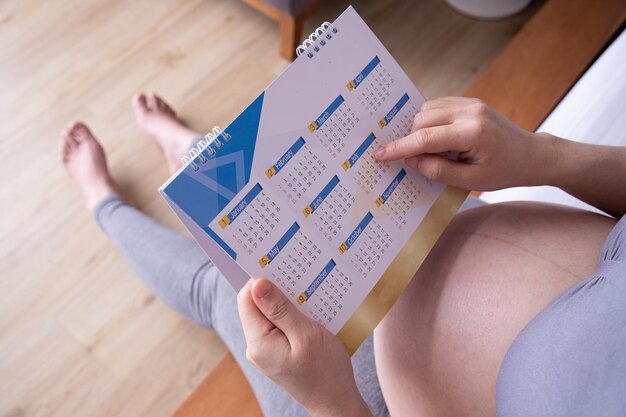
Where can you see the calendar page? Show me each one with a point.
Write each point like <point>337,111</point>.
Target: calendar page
<point>290,190</point>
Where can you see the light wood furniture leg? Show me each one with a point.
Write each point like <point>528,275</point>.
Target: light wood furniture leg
<point>290,35</point>
<point>290,26</point>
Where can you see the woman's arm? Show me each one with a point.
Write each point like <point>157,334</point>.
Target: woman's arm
<point>592,173</point>
<point>494,154</point>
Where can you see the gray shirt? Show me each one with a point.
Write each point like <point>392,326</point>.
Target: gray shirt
<point>570,360</point>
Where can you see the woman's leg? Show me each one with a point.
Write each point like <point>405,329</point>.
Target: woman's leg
<point>172,266</point>
<point>439,350</point>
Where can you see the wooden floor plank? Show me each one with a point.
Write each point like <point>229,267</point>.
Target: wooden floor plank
<point>224,392</point>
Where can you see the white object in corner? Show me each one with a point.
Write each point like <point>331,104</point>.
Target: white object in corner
<point>488,9</point>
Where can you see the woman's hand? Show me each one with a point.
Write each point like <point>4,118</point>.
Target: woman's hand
<point>493,152</point>
<point>297,353</point>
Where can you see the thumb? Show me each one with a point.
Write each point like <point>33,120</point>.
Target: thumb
<point>276,307</point>
<point>438,168</point>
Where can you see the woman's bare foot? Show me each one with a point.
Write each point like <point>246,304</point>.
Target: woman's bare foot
<point>158,119</point>
<point>86,163</point>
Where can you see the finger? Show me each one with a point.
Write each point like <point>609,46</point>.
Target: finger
<point>431,118</point>
<point>439,168</point>
<point>255,324</point>
<point>277,308</point>
<point>448,102</point>
<point>429,140</point>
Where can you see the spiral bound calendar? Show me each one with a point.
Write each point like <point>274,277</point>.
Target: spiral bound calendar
<point>290,190</point>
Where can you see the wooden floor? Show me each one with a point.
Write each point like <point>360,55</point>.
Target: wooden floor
<point>79,333</point>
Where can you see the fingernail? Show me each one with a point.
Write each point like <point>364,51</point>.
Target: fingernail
<point>263,288</point>
<point>379,153</point>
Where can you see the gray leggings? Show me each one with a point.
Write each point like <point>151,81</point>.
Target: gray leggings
<point>178,272</point>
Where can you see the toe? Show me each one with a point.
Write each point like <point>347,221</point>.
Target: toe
<point>68,135</point>
<point>83,132</point>
<point>63,149</point>
<point>139,102</point>
<point>65,141</point>
<point>67,145</point>
<point>163,106</point>
<point>160,103</point>
<point>79,132</point>
<point>72,130</point>
<point>152,102</point>
<point>65,134</point>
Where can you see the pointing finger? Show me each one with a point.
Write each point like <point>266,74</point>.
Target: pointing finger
<point>429,140</point>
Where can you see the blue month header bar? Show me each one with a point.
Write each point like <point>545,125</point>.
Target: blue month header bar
<point>390,188</point>
<point>282,242</point>
<point>350,162</point>
<point>317,201</point>
<point>316,282</point>
<point>326,115</point>
<point>239,208</point>
<point>394,110</point>
<point>356,233</point>
<point>363,74</point>
<point>282,161</point>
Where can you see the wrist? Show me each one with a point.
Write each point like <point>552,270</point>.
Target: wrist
<point>548,160</point>
<point>349,406</point>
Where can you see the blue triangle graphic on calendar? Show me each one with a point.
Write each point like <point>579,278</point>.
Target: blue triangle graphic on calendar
<point>202,195</point>
<point>224,174</point>
<point>229,170</point>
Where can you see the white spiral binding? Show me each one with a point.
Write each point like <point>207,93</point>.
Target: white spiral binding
<point>318,36</point>
<point>211,138</point>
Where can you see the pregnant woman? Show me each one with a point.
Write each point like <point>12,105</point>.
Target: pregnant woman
<point>519,310</point>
